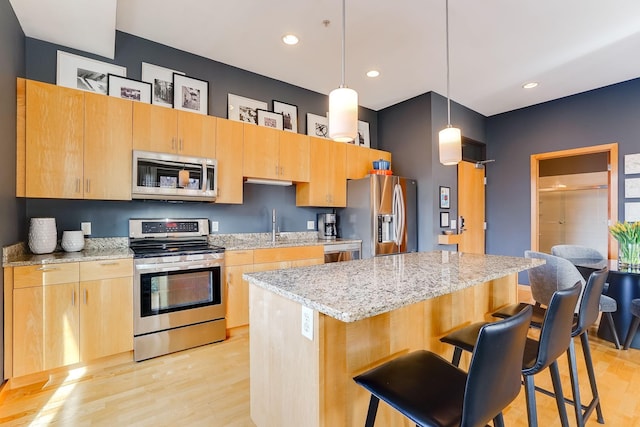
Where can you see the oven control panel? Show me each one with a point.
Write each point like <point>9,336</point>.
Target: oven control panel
<point>169,227</point>
<point>140,228</point>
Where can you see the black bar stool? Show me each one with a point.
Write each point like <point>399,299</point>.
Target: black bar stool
<point>430,391</point>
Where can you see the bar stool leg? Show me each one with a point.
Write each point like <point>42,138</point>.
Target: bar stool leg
<point>371,413</point>
<point>632,332</point>
<point>457,352</point>
<point>498,421</point>
<point>530,395</point>
<point>557,388</point>
<point>612,327</point>
<point>573,373</point>
<point>584,338</point>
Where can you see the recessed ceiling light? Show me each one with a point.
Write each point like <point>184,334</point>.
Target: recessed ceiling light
<point>373,73</point>
<point>530,85</point>
<point>290,39</point>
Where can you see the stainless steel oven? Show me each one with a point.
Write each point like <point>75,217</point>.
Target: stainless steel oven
<point>179,299</point>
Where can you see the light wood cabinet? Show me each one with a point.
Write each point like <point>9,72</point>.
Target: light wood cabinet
<point>166,130</point>
<point>54,141</point>
<point>229,153</point>
<point>72,144</point>
<point>247,261</point>
<point>68,313</point>
<point>274,154</point>
<point>360,160</point>
<point>327,184</point>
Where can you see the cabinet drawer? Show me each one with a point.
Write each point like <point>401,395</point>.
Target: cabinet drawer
<point>45,274</point>
<point>287,254</point>
<point>106,269</point>
<point>238,257</point>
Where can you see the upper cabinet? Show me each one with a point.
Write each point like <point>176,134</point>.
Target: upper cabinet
<point>229,137</point>
<point>166,130</point>
<point>67,140</point>
<point>327,184</point>
<point>274,154</point>
<point>360,160</point>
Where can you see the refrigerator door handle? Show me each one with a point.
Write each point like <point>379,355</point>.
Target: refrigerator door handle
<point>399,214</point>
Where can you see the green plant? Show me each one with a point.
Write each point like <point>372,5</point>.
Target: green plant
<point>628,236</point>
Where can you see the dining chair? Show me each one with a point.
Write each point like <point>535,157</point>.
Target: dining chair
<point>432,392</point>
<point>633,328</point>
<point>608,305</point>
<point>555,339</point>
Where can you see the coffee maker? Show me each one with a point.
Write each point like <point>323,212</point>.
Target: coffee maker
<point>327,226</point>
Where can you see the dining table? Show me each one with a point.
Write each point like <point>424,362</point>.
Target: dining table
<point>623,285</point>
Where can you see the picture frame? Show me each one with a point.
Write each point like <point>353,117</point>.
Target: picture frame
<point>161,80</point>
<point>190,94</point>
<point>445,197</point>
<point>243,109</point>
<point>317,126</point>
<point>363,139</point>
<point>125,88</point>
<point>270,119</point>
<point>289,115</point>
<point>444,219</point>
<point>78,72</point>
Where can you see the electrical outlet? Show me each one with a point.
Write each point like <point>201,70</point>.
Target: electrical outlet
<point>311,225</point>
<point>214,225</point>
<point>307,323</point>
<point>86,228</point>
<point>453,224</point>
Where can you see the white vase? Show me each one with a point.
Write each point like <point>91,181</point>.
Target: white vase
<point>43,235</point>
<point>72,241</point>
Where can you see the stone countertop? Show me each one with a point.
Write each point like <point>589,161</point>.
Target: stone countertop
<point>95,250</point>
<point>247,241</point>
<point>355,290</point>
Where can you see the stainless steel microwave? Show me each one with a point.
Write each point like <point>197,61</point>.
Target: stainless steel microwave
<point>166,176</point>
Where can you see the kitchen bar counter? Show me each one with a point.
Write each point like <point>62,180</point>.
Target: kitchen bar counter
<point>247,241</point>
<point>362,313</point>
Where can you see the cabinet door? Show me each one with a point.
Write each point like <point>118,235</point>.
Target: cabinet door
<point>106,317</point>
<point>327,179</point>
<point>360,160</point>
<point>54,141</point>
<point>294,157</point>
<point>229,153</point>
<point>196,135</point>
<point>45,328</point>
<point>154,128</point>
<point>261,152</point>
<point>237,295</point>
<point>337,174</point>
<point>107,147</point>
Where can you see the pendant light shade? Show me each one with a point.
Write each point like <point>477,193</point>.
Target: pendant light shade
<point>343,114</point>
<point>450,138</point>
<point>343,103</point>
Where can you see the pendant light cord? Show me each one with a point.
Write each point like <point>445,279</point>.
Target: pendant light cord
<point>447,33</point>
<point>344,13</point>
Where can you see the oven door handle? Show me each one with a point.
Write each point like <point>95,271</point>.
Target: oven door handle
<point>152,268</point>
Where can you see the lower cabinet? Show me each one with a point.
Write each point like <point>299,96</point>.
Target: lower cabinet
<point>69,313</point>
<point>247,261</point>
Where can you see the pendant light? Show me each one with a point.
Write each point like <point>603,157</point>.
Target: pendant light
<point>343,103</point>
<point>450,139</point>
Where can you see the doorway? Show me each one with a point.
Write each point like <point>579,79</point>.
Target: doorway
<point>571,207</point>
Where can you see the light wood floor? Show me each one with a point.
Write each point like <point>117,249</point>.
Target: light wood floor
<point>209,386</point>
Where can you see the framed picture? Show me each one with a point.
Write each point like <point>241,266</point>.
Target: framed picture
<point>135,90</point>
<point>161,80</point>
<point>445,197</point>
<point>317,125</point>
<point>444,219</point>
<point>244,109</point>
<point>363,134</point>
<point>78,72</point>
<point>190,94</point>
<point>270,119</point>
<point>289,115</point>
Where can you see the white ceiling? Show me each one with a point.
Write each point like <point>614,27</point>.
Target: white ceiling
<point>568,46</point>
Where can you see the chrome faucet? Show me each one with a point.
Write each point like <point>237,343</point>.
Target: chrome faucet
<point>273,226</point>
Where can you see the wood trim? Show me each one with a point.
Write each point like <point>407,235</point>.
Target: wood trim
<point>21,137</point>
<point>8,323</point>
<point>612,150</point>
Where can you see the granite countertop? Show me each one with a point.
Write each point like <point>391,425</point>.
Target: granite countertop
<point>247,241</point>
<point>354,290</point>
<point>95,250</point>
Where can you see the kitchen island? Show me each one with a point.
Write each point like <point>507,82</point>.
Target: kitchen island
<point>362,313</point>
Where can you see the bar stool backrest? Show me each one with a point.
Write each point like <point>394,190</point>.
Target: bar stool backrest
<point>556,274</point>
<point>576,252</point>
<point>494,374</point>
<point>589,305</point>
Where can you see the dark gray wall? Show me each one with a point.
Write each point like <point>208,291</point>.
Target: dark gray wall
<point>109,218</point>
<point>601,116</point>
<point>12,210</point>
<point>410,131</point>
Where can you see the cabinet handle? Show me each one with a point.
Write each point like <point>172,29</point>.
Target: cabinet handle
<point>281,170</point>
<point>181,144</point>
<point>88,185</point>
<point>77,185</point>
<point>276,170</point>
<point>86,293</point>
<point>109,263</point>
<point>45,268</point>
<point>73,298</point>
<point>173,143</point>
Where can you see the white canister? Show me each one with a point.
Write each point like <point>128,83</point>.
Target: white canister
<point>72,241</point>
<point>43,235</point>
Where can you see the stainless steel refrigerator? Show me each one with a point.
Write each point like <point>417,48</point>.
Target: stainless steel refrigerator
<point>381,211</point>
